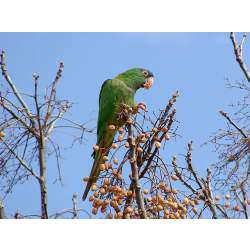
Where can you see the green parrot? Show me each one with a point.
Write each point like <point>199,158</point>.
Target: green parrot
<point>115,92</point>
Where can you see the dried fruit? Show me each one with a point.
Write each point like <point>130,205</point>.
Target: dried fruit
<point>186,201</point>
<point>145,191</point>
<point>227,204</point>
<point>217,197</point>
<point>159,208</point>
<point>149,199</point>
<point>126,145</point>
<point>128,209</point>
<point>162,185</point>
<point>194,209</point>
<point>164,130</point>
<point>147,135</point>
<point>114,146</point>
<point>91,198</point>
<point>227,196</point>
<point>154,130</point>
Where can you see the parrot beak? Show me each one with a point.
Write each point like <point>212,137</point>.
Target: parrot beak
<point>148,83</point>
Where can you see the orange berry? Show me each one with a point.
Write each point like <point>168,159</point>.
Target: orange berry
<point>154,130</point>
<point>157,144</point>
<point>106,181</point>
<point>86,179</point>
<point>110,216</point>
<point>227,204</point>
<point>112,127</point>
<point>129,121</point>
<point>120,130</point>
<point>2,134</point>
<point>94,210</point>
<point>96,194</point>
<point>129,193</point>
<point>102,167</point>
<point>164,130</point>
<point>174,178</point>
<point>159,208</point>
<point>194,210</point>
<point>167,137</point>
<point>162,185</point>
<point>102,191</point>
<point>93,187</point>
<point>105,158</point>
<point>120,138</point>
<point>147,135</point>
<point>95,147</point>
<point>217,197</point>
<point>139,149</point>
<point>174,191</point>
<point>91,198</point>
<point>126,145</point>
<point>114,146</point>
<point>237,208</point>
<point>149,199</point>
<point>128,209</point>
<point>186,201</point>
<point>115,161</point>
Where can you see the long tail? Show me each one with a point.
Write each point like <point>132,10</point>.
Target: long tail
<point>95,171</point>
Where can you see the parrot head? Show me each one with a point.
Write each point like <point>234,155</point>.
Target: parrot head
<point>137,78</point>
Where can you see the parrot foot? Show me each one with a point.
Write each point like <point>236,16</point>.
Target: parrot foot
<point>140,106</point>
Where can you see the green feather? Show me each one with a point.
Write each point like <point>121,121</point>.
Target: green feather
<point>120,90</point>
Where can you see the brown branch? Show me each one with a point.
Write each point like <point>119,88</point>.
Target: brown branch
<point>2,214</point>
<point>233,124</point>
<point>239,54</point>
<point>135,173</point>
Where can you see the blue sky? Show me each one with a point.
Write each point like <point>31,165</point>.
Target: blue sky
<point>196,64</point>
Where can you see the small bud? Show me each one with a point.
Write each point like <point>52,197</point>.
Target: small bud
<point>114,146</point>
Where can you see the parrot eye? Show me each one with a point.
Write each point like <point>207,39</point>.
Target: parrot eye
<point>145,73</point>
